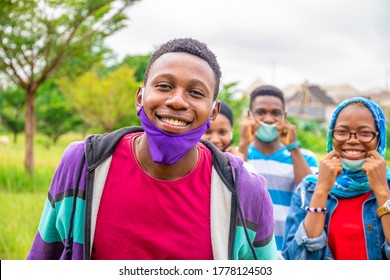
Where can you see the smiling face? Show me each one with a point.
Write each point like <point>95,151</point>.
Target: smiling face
<point>178,96</point>
<point>353,118</point>
<point>220,132</point>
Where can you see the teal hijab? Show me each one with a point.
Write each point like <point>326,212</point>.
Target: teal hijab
<point>351,184</point>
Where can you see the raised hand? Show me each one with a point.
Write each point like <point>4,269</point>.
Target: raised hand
<point>375,168</point>
<point>330,168</point>
<point>287,132</point>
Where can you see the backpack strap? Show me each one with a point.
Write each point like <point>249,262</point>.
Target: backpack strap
<point>98,147</point>
<point>222,165</point>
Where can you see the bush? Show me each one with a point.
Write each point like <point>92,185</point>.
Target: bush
<point>315,142</point>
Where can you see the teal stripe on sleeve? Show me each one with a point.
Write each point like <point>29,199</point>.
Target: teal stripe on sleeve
<point>267,252</point>
<point>47,228</point>
<point>242,249</point>
<point>54,225</point>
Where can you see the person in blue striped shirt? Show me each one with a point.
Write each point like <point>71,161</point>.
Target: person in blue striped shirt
<point>269,143</point>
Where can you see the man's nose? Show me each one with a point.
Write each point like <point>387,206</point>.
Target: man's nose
<point>268,118</point>
<point>178,100</point>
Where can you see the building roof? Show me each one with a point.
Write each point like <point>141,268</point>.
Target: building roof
<point>342,92</point>
<point>309,95</point>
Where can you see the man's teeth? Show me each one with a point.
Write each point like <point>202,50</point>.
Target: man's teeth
<point>353,152</point>
<point>174,122</point>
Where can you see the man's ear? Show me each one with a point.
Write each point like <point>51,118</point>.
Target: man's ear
<point>285,115</point>
<point>139,98</point>
<point>215,110</point>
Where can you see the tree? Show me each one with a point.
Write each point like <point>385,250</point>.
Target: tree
<point>229,94</point>
<point>38,36</point>
<point>103,101</point>
<point>139,63</point>
<point>11,109</point>
<point>54,116</point>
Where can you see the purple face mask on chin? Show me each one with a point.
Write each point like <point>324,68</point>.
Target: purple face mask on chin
<point>167,148</point>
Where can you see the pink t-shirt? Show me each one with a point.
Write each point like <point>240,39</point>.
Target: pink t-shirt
<point>144,218</point>
<point>346,229</point>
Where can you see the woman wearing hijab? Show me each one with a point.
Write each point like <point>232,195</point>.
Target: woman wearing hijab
<point>342,212</point>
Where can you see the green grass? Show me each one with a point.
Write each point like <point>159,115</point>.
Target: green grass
<point>22,197</point>
<point>13,176</point>
<point>19,219</point>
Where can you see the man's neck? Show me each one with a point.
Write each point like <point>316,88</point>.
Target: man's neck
<point>163,171</point>
<point>267,148</point>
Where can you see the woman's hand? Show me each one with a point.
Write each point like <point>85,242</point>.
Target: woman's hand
<point>375,168</point>
<point>330,168</point>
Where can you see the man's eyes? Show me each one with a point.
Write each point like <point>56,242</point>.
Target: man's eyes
<point>273,113</point>
<point>196,92</point>
<point>163,86</point>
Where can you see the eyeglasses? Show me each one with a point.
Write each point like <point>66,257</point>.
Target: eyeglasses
<point>363,136</point>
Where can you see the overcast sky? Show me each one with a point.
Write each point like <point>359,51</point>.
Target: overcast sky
<point>280,42</point>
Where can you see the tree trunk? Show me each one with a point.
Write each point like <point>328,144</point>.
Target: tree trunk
<point>29,129</point>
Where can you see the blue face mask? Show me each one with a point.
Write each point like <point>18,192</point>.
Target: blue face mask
<point>267,132</point>
<point>352,165</point>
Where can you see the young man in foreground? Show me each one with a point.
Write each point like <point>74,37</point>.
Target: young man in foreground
<point>156,192</point>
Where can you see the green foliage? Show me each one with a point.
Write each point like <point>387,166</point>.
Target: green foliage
<point>139,63</point>
<point>104,102</point>
<point>83,61</point>
<point>37,37</point>
<point>311,134</point>
<point>54,116</point>
<point>229,94</point>
<point>388,136</point>
<point>40,36</point>
<point>315,142</point>
<point>308,125</point>
<point>12,102</point>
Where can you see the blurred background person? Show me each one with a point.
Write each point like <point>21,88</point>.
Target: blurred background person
<point>269,142</point>
<point>220,132</point>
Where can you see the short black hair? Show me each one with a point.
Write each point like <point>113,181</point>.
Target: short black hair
<point>267,90</point>
<point>226,111</point>
<point>191,46</point>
